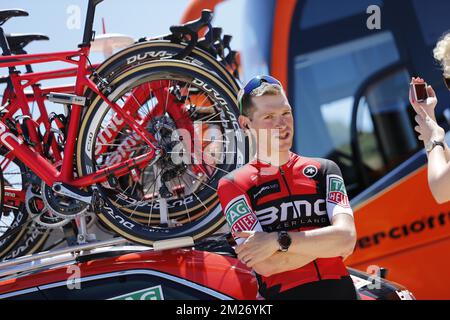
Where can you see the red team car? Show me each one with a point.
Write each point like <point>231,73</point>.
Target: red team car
<point>209,271</point>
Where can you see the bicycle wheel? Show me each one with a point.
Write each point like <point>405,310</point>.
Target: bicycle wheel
<point>143,52</point>
<point>24,221</point>
<point>12,218</point>
<point>168,199</point>
<point>31,241</point>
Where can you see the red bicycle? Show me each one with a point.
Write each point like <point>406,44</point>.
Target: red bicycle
<point>121,132</point>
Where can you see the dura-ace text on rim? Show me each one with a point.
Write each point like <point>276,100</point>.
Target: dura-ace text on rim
<point>159,50</point>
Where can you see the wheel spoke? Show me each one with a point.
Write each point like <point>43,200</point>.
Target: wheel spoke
<point>167,97</point>
<point>137,101</point>
<point>209,140</point>
<point>184,201</point>
<point>153,198</point>
<point>208,117</point>
<point>220,169</point>
<point>195,195</point>
<point>141,201</point>
<point>190,173</point>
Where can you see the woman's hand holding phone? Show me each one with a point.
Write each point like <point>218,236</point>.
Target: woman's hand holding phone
<point>428,104</point>
<point>427,127</point>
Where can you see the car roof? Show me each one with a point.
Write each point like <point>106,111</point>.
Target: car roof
<point>210,264</point>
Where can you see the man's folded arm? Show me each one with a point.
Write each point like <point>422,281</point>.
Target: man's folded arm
<point>281,262</point>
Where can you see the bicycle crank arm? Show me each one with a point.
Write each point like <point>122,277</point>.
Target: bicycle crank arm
<point>86,197</point>
<point>68,191</point>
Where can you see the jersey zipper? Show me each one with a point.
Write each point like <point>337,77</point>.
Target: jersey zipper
<point>293,205</point>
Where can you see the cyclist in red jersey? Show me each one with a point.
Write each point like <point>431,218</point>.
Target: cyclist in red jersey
<point>289,214</point>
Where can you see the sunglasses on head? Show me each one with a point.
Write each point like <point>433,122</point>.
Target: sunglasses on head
<point>255,83</point>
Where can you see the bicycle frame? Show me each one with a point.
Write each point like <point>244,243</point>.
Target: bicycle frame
<point>34,157</point>
<point>38,95</point>
<point>35,161</point>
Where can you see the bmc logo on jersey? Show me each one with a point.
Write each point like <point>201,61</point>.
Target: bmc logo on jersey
<point>285,211</point>
<point>239,215</point>
<point>336,191</point>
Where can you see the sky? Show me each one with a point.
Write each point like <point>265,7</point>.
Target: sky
<point>63,21</point>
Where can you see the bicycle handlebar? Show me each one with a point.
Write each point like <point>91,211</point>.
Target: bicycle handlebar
<point>212,42</point>
<point>193,27</point>
<point>226,41</point>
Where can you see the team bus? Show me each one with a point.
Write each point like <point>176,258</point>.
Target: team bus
<point>346,66</point>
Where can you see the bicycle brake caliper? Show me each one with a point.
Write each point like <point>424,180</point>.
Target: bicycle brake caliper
<point>97,202</point>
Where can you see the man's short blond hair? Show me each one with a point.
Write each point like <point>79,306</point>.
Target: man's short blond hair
<point>442,53</point>
<point>265,89</point>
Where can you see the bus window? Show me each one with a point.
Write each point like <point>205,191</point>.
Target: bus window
<point>385,134</point>
<point>325,82</point>
<point>367,139</point>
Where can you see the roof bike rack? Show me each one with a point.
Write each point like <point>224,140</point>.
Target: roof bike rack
<point>47,258</point>
<point>51,258</point>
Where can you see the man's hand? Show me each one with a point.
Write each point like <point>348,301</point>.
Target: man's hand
<point>257,247</point>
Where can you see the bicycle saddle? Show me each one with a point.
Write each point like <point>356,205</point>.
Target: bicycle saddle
<point>6,14</point>
<point>18,41</point>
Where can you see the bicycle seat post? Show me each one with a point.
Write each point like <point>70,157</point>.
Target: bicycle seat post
<point>88,35</point>
<point>28,67</point>
<point>5,48</point>
<point>4,43</point>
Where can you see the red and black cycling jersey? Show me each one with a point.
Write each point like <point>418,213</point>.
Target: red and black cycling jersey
<point>303,194</point>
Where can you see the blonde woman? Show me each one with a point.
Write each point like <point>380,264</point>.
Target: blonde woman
<point>430,132</point>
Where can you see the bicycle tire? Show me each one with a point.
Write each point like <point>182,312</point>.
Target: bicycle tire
<point>28,236</point>
<point>164,50</point>
<point>151,50</point>
<point>209,204</point>
<point>31,242</point>
<point>19,220</point>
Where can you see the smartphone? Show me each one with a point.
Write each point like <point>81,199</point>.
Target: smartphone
<point>420,92</point>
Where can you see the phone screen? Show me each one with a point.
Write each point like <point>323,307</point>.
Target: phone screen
<point>421,91</point>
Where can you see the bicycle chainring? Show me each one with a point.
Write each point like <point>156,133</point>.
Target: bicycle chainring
<point>62,206</point>
<point>36,208</point>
